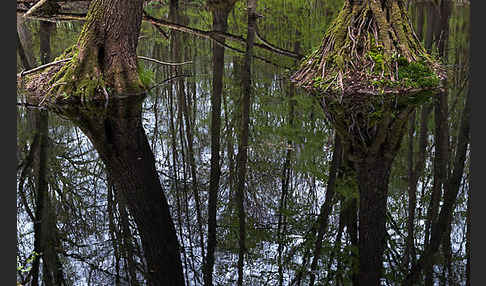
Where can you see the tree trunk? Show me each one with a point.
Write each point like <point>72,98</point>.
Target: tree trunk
<point>41,192</point>
<point>220,24</point>
<point>24,44</point>
<point>373,176</point>
<point>105,53</point>
<point>118,136</point>
<point>242,157</point>
<point>326,207</point>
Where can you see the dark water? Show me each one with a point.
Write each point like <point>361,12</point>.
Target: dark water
<point>91,235</point>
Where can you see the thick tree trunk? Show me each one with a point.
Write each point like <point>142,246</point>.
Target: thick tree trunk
<point>120,140</point>
<point>373,177</point>
<point>105,53</point>
<point>111,33</point>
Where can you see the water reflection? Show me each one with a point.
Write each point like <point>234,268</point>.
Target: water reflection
<point>112,173</point>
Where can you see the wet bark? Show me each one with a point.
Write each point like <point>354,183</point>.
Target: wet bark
<point>373,177</point>
<point>373,165</point>
<point>242,157</point>
<point>120,140</point>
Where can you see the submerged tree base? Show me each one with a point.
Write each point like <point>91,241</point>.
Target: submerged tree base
<point>76,81</point>
<point>370,72</point>
<point>103,61</point>
<point>370,48</point>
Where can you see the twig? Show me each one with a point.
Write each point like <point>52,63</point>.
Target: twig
<point>169,79</point>
<point>29,105</point>
<point>42,67</point>
<point>163,63</point>
<point>35,7</point>
<point>275,48</point>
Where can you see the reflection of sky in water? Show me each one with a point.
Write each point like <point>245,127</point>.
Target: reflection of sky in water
<point>77,176</point>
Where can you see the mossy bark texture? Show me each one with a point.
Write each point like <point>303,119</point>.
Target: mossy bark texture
<point>104,56</point>
<point>370,47</point>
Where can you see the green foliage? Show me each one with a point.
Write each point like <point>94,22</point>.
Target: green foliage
<point>147,77</point>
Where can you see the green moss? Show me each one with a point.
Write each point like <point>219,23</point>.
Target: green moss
<point>410,75</point>
<point>417,75</point>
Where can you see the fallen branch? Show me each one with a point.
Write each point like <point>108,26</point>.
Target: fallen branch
<point>63,16</point>
<point>163,63</point>
<point>42,67</point>
<point>212,34</point>
<point>35,7</point>
<point>68,59</point>
<point>275,48</point>
<point>169,79</point>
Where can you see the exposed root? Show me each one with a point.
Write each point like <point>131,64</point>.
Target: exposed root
<point>369,49</point>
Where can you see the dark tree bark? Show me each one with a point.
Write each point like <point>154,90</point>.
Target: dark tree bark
<point>373,179</point>
<point>24,44</point>
<point>118,136</point>
<point>220,11</point>
<point>242,157</point>
<point>22,54</point>
<point>41,194</point>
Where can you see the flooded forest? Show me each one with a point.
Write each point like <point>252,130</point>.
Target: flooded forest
<point>243,142</point>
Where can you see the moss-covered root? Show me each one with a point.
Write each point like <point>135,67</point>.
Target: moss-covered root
<point>77,78</point>
<point>83,78</point>
<point>366,42</point>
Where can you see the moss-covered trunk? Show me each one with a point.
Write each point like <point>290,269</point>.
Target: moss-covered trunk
<point>104,56</point>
